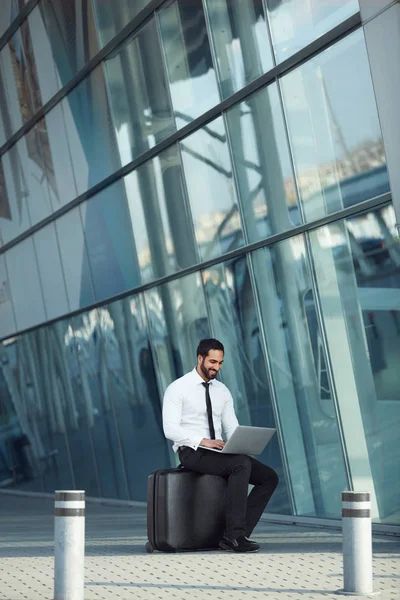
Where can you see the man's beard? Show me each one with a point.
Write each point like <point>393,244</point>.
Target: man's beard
<point>206,372</point>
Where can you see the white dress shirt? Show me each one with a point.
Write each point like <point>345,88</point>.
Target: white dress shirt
<point>185,418</point>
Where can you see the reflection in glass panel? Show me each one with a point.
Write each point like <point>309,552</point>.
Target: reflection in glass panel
<point>109,241</point>
<point>62,42</point>
<point>111,17</point>
<point>35,385</point>
<point>357,264</point>
<point>92,336</point>
<point>74,259</point>
<point>25,284</point>
<point>234,321</point>
<point>304,398</point>
<point>334,129</point>
<point>93,133</point>
<point>241,42</point>
<point>51,272</point>
<point>177,321</point>
<point>192,80</point>
<point>262,163</point>
<point>296,23</point>
<point>159,215</point>
<point>211,189</point>
<point>7,319</point>
<point>14,216</point>
<point>9,11</point>
<point>62,148</point>
<point>132,382</point>
<point>136,71</point>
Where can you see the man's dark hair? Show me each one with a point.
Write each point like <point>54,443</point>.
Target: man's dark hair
<point>208,344</point>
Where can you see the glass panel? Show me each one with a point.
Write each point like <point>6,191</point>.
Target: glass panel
<point>192,79</point>
<point>25,285</point>
<point>75,260</point>
<point>51,272</point>
<point>211,189</point>
<point>9,11</point>
<point>93,133</point>
<point>14,218</point>
<point>177,320</point>
<point>111,17</point>
<point>109,240</point>
<point>357,264</point>
<point>92,337</point>
<point>262,164</point>
<point>233,318</point>
<point>136,71</point>
<point>35,387</point>
<point>7,319</point>
<point>64,41</point>
<point>133,387</point>
<point>304,398</point>
<point>159,215</point>
<point>334,129</point>
<point>62,147</point>
<point>241,42</point>
<point>296,23</point>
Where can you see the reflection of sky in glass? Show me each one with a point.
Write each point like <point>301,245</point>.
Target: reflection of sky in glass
<point>296,23</point>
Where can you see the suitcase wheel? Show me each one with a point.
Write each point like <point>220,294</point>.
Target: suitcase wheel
<point>149,548</point>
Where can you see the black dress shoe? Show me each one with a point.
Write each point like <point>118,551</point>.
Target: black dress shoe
<point>241,544</point>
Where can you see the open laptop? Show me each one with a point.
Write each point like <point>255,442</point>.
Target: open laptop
<point>246,440</point>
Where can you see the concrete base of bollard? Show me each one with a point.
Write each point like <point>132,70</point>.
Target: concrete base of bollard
<point>343,593</point>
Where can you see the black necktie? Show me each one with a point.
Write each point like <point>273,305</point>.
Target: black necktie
<point>209,411</point>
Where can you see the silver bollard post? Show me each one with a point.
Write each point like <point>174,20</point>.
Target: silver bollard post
<point>69,545</point>
<point>357,544</point>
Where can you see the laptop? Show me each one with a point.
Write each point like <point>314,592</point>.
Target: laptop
<point>246,440</point>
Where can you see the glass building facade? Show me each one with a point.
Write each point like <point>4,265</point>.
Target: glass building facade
<point>183,169</point>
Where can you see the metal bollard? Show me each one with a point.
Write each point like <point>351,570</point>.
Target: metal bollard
<point>69,545</point>
<point>357,544</point>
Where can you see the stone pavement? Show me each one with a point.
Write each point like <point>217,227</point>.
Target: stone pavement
<point>294,563</point>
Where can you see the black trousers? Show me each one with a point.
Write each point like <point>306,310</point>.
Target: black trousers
<point>242,512</point>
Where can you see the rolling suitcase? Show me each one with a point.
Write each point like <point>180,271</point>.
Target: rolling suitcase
<point>185,510</point>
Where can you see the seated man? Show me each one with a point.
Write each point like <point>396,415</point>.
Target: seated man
<point>196,408</point>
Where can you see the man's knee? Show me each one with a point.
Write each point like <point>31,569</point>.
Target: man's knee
<point>241,463</point>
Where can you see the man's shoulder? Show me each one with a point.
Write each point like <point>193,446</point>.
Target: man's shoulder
<point>181,383</point>
<point>221,386</point>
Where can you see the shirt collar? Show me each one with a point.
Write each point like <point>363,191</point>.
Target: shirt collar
<point>199,379</point>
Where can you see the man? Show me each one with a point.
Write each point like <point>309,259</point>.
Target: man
<point>196,409</point>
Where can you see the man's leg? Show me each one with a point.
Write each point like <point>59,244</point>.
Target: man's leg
<point>265,481</point>
<point>236,468</point>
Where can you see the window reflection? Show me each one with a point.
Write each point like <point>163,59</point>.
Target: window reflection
<point>136,71</point>
<point>241,42</point>
<point>192,80</point>
<point>7,320</point>
<point>296,23</point>
<point>159,216</point>
<point>334,129</point>
<point>262,163</point>
<point>39,407</point>
<point>304,400</point>
<point>233,319</point>
<point>111,17</point>
<point>211,189</point>
<point>133,388</point>
<point>357,264</point>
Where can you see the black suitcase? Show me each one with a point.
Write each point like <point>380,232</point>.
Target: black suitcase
<point>185,510</point>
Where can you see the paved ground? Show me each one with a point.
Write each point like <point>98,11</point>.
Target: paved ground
<point>295,562</point>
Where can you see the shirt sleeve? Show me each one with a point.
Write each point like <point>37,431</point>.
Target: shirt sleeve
<point>172,416</point>
<point>229,420</point>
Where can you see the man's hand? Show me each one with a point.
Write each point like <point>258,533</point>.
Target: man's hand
<point>219,444</point>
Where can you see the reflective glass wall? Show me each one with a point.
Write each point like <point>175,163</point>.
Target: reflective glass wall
<point>150,206</point>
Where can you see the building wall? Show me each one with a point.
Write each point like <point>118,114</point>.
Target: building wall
<point>172,171</point>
